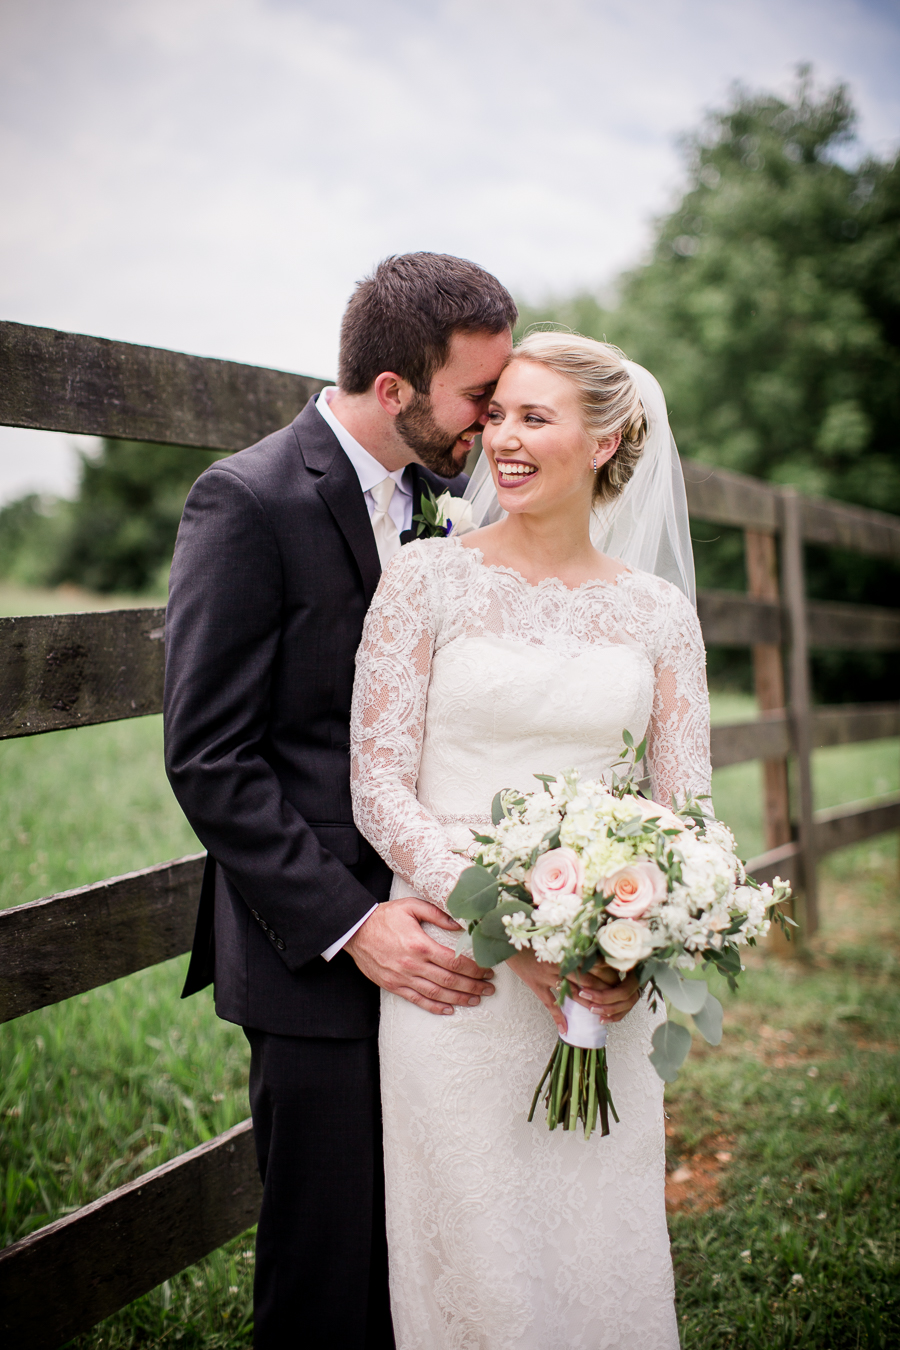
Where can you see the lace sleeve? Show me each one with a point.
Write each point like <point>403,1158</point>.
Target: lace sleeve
<point>387,724</point>
<point>678,741</point>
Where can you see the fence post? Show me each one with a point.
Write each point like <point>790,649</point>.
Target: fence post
<point>761,557</point>
<point>795,603</point>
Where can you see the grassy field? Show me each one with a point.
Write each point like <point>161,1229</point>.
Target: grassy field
<point>783,1143</point>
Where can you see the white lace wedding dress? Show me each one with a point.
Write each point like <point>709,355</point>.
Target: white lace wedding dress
<point>470,679</point>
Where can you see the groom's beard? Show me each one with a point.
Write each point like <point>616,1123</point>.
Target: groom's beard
<point>432,443</point>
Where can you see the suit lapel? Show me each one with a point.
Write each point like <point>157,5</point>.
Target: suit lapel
<point>339,488</point>
<point>407,536</point>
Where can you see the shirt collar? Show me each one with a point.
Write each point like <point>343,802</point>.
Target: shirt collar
<point>368,470</point>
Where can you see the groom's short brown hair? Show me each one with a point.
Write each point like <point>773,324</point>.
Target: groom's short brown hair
<point>403,316</point>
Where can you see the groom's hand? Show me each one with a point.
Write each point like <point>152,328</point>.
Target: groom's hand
<point>393,950</point>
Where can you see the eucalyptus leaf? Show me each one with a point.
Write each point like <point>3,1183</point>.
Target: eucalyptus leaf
<point>474,894</point>
<point>497,812</point>
<point>489,951</point>
<point>708,1020</point>
<point>671,1043</point>
<point>492,924</point>
<point>687,995</point>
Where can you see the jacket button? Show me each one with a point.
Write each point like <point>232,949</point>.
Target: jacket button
<point>255,913</point>
<point>280,945</point>
<point>273,936</point>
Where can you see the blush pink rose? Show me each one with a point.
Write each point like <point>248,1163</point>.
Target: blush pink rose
<point>636,889</point>
<point>557,872</point>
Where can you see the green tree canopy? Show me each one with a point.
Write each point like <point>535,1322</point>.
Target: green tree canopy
<point>770,307</point>
<point>123,523</point>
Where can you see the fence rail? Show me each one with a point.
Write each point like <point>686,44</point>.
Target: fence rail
<point>75,941</point>
<point>74,670</point>
<point>66,1277</point>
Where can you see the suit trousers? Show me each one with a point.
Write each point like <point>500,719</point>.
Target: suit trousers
<point>321,1252</point>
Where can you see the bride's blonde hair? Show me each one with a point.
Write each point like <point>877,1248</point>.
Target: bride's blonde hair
<point>610,401</point>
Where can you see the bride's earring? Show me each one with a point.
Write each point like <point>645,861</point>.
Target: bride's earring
<point>594,464</point>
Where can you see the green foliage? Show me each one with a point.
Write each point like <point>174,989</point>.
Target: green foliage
<point>770,308</point>
<point>125,518</point>
<point>119,532</point>
<point>32,532</point>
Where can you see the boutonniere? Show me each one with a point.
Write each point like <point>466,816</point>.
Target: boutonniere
<point>443,515</point>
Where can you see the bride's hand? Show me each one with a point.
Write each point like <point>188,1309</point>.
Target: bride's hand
<point>601,990</point>
<point>605,993</point>
<point>542,979</point>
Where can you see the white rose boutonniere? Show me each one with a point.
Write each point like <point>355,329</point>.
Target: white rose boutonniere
<point>442,516</point>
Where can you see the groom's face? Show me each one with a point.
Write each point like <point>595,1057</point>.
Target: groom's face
<point>441,425</point>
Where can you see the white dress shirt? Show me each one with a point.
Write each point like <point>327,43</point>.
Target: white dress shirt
<point>370,473</point>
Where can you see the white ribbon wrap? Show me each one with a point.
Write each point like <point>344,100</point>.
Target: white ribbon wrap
<point>584,1027</point>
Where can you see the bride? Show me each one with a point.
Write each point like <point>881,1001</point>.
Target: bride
<point>526,647</point>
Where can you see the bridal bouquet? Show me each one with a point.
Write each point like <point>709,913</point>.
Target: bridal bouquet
<point>581,871</point>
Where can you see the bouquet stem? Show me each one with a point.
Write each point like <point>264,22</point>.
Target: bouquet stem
<point>578,1089</point>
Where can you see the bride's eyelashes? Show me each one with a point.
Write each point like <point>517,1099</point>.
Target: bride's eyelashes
<point>495,417</point>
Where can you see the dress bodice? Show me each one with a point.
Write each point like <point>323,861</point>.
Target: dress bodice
<point>471,679</point>
<point>499,711</point>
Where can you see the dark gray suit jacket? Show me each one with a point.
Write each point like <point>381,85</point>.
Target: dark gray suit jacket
<point>274,569</point>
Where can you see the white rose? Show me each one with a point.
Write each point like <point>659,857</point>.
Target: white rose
<point>625,942</point>
<point>456,513</point>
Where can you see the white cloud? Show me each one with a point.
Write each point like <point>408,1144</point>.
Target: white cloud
<point>214,175</point>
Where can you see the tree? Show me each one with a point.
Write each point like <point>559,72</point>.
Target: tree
<point>123,523</point>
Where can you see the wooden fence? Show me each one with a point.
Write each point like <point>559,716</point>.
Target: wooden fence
<point>80,669</point>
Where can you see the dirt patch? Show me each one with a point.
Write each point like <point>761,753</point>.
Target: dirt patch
<point>693,1179</point>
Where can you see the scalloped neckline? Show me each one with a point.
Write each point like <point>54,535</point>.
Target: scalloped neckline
<point>604,583</point>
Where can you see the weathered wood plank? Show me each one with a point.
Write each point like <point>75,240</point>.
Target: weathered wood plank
<point>835,828</point>
<point>855,528</point>
<point>845,825</point>
<point>68,670</point>
<point>785,861</point>
<point>792,571</point>
<point>54,948</point>
<point>767,737</point>
<point>761,560</point>
<point>846,724</point>
<point>733,619</point>
<point>71,382</point>
<point>65,1278</point>
<point>844,627</point>
<point>726,498</point>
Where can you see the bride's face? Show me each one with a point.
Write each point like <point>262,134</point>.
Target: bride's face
<point>539,451</point>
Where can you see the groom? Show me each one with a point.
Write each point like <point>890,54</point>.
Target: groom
<point>278,555</point>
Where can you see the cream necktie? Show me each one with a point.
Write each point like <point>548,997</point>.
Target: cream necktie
<point>387,536</point>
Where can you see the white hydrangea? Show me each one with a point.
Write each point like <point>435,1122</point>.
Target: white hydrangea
<point>517,929</point>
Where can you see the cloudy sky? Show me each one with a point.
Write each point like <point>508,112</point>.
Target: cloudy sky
<point>214,175</point>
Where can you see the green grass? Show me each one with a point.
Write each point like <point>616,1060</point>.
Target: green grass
<point>803,1246</point>
<point>105,1086</point>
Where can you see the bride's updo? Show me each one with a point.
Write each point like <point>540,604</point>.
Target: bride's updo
<point>610,401</point>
